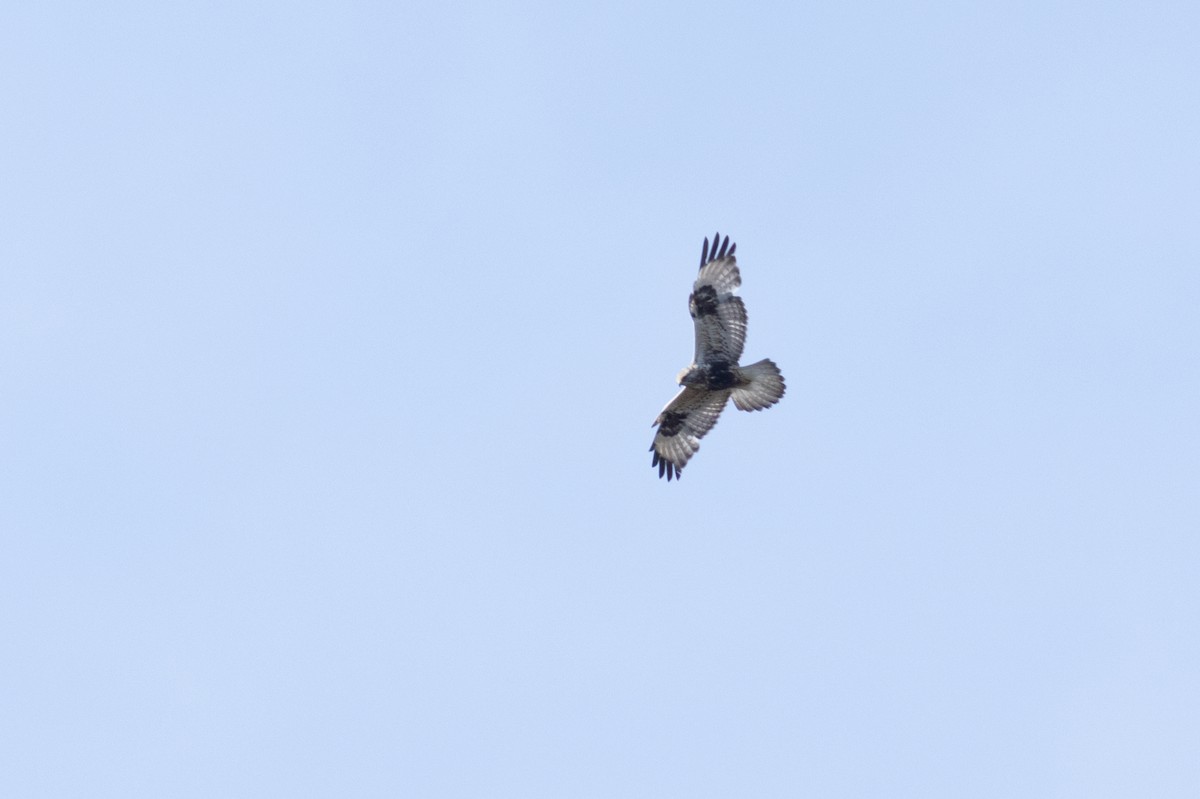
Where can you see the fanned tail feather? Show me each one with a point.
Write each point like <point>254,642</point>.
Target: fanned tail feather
<point>765,387</point>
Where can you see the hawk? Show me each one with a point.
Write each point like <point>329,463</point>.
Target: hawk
<point>714,376</point>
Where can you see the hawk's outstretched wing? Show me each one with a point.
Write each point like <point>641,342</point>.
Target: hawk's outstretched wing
<point>718,313</point>
<point>681,425</point>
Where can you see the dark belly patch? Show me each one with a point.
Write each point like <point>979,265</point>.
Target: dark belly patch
<point>719,376</point>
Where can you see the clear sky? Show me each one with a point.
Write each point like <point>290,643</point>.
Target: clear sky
<point>331,335</point>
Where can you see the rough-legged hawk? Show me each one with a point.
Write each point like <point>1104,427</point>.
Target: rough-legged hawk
<point>714,376</point>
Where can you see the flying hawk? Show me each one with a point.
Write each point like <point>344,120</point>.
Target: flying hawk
<point>714,376</point>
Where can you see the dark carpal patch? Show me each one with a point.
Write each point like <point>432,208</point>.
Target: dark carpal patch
<point>719,375</point>
<point>704,302</point>
<point>671,424</point>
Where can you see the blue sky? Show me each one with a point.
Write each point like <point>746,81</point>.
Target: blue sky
<point>331,335</point>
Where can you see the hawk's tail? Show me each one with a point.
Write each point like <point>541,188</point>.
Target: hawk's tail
<point>764,388</point>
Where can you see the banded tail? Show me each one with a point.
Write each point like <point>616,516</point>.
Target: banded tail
<point>763,386</point>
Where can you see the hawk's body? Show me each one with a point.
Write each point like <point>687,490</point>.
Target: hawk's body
<point>714,376</point>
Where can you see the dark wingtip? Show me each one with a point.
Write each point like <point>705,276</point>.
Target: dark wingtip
<point>666,468</point>
<point>721,248</point>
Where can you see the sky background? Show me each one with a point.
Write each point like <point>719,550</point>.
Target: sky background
<point>331,335</point>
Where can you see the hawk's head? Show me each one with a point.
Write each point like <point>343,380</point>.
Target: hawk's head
<point>691,376</point>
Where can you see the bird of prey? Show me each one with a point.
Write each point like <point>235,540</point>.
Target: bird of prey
<point>714,376</point>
